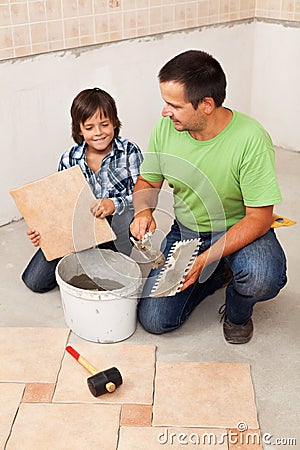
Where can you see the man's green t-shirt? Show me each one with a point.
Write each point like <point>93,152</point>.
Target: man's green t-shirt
<point>214,180</point>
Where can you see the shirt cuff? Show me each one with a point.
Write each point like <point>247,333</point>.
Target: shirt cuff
<point>119,205</point>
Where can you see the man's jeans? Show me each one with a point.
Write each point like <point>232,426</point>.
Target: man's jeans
<point>259,272</point>
<point>39,275</point>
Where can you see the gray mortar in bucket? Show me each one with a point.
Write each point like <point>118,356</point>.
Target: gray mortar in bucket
<point>107,271</point>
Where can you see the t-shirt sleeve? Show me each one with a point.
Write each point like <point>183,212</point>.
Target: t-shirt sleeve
<point>258,179</point>
<point>151,168</point>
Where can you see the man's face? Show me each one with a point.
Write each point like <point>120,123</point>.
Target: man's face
<point>181,112</point>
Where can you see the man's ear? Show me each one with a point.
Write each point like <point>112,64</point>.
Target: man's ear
<point>207,105</point>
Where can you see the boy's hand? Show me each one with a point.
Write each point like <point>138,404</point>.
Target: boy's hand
<point>103,207</point>
<point>35,237</point>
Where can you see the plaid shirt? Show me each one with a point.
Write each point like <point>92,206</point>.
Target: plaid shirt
<point>117,175</point>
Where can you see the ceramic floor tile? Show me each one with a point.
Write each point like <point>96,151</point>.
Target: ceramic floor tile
<point>136,415</point>
<point>31,354</point>
<point>244,440</point>
<point>204,394</point>
<point>10,398</point>
<point>57,427</point>
<point>135,363</point>
<point>157,438</point>
<point>64,225</point>
<point>38,392</point>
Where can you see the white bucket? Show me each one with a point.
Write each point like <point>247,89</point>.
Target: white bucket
<point>100,316</point>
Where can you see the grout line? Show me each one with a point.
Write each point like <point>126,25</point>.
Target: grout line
<point>13,422</point>
<point>154,380</point>
<point>60,366</point>
<point>119,427</point>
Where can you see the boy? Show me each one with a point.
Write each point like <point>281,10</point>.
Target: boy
<point>111,166</point>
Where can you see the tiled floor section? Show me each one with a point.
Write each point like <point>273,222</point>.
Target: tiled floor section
<point>38,392</point>
<point>136,415</point>
<point>62,427</point>
<point>31,354</point>
<point>45,401</point>
<point>203,394</point>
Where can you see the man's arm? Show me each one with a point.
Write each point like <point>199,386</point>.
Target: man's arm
<point>145,197</point>
<point>255,224</point>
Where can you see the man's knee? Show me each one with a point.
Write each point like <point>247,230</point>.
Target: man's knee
<point>260,283</point>
<point>153,318</point>
<point>149,322</point>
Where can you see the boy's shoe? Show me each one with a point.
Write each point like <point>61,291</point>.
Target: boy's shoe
<point>238,334</point>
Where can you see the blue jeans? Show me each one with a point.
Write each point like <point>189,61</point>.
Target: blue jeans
<point>39,275</point>
<point>259,272</point>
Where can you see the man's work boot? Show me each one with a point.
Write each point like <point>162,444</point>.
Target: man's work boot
<point>238,334</point>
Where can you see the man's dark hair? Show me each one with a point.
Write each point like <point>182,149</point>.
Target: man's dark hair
<point>201,75</point>
<point>85,105</point>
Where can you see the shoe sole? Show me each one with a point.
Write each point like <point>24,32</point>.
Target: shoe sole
<point>238,340</point>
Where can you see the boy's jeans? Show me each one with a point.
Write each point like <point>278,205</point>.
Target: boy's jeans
<point>259,272</point>
<point>39,275</point>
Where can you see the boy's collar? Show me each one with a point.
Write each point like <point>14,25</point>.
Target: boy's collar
<point>117,145</point>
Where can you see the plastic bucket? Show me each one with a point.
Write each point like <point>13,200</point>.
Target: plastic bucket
<point>100,315</point>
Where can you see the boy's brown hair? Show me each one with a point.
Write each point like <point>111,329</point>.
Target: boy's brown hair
<point>84,106</point>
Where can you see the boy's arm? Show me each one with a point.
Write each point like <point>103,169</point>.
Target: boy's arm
<point>62,164</point>
<point>134,160</point>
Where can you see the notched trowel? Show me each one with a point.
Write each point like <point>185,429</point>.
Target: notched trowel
<point>151,254</point>
<point>178,263</point>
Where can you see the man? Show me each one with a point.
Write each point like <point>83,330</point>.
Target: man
<point>220,165</point>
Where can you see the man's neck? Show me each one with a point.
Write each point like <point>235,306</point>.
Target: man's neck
<point>214,124</point>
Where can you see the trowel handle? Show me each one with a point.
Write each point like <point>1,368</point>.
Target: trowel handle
<point>81,360</point>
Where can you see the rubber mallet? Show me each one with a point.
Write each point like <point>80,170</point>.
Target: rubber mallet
<point>100,382</point>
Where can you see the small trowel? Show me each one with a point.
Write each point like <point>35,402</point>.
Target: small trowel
<point>178,263</point>
<point>151,254</point>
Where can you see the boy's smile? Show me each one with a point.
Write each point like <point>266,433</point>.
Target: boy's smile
<point>98,132</point>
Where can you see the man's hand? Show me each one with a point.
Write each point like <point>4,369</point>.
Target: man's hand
<point>103,207</point>
<point>34,236</point>
<point>194,272</point>
<point>142,223</point>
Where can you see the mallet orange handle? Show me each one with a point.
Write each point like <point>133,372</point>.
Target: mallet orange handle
<point>82,360</point>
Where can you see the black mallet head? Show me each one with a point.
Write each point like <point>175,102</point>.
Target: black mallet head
<point>106,381</point>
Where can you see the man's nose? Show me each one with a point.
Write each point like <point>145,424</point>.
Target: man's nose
<point>166,111</point>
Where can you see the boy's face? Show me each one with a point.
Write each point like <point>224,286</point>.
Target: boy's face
<point>98,132</point>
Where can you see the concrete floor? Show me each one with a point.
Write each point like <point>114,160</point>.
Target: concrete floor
<point>273,353</point>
